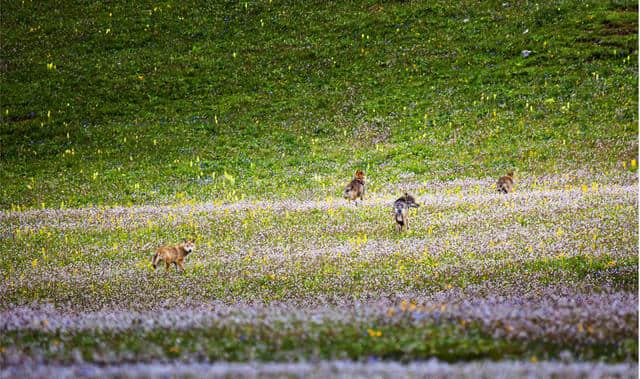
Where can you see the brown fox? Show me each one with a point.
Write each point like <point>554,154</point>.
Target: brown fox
<point>173,254</point>
<point>401,211</point>
<point>355,189</point>
<point>505,183</point>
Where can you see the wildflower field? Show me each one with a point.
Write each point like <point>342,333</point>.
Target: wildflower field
<point>130,125</point>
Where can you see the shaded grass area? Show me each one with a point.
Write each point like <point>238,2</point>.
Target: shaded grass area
<point>121,102</point>
<point>447,340</point>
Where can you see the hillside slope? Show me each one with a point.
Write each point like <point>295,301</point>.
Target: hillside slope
<point>135,102</point>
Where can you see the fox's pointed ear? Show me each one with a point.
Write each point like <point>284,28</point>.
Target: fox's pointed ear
<point>184,240</point>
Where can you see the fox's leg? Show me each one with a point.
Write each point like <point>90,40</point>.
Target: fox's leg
<point>166,266</point>
<point>405,218</point>
<point>154,261</point>
<point>180,265</point>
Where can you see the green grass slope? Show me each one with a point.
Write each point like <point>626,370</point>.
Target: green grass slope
<point>133,102</point>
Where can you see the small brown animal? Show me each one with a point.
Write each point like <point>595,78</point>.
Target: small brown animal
<point>173,254</point>
<point>505,183</point>
<point>355,189</point>
<point>401,211</point>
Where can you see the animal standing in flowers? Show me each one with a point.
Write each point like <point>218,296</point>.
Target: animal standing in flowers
<point>401,211</point>
<point>355,189</point>
<point>173,254</point>
<point>505,183</point>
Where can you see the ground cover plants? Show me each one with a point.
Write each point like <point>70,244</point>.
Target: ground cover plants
<point>129,125</point>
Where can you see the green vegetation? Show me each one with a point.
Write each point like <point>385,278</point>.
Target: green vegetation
<point>132,102</point>
<point>449,341</point>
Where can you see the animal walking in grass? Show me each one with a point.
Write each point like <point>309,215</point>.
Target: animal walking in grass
<point>505,183</point>
<point>173,254</point>
<point>355,189</point>
<point>401,211</point>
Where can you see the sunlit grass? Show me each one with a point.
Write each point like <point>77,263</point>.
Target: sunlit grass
<point>169,100</point>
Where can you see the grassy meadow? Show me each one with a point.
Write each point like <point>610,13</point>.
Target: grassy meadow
<point>129,125</point>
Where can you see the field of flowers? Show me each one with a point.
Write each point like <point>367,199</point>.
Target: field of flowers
<point>126,125</point>
<point>543,278</point>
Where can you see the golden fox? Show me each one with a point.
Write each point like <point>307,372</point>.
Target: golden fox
<point>355,189</point>
<point>505,183</point>
<point>401,211</point>
<point>173,254</point>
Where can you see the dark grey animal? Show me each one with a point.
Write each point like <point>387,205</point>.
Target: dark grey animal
<point>401,211</point>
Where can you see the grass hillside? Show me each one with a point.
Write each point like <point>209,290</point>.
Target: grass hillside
<point>135,102</point>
